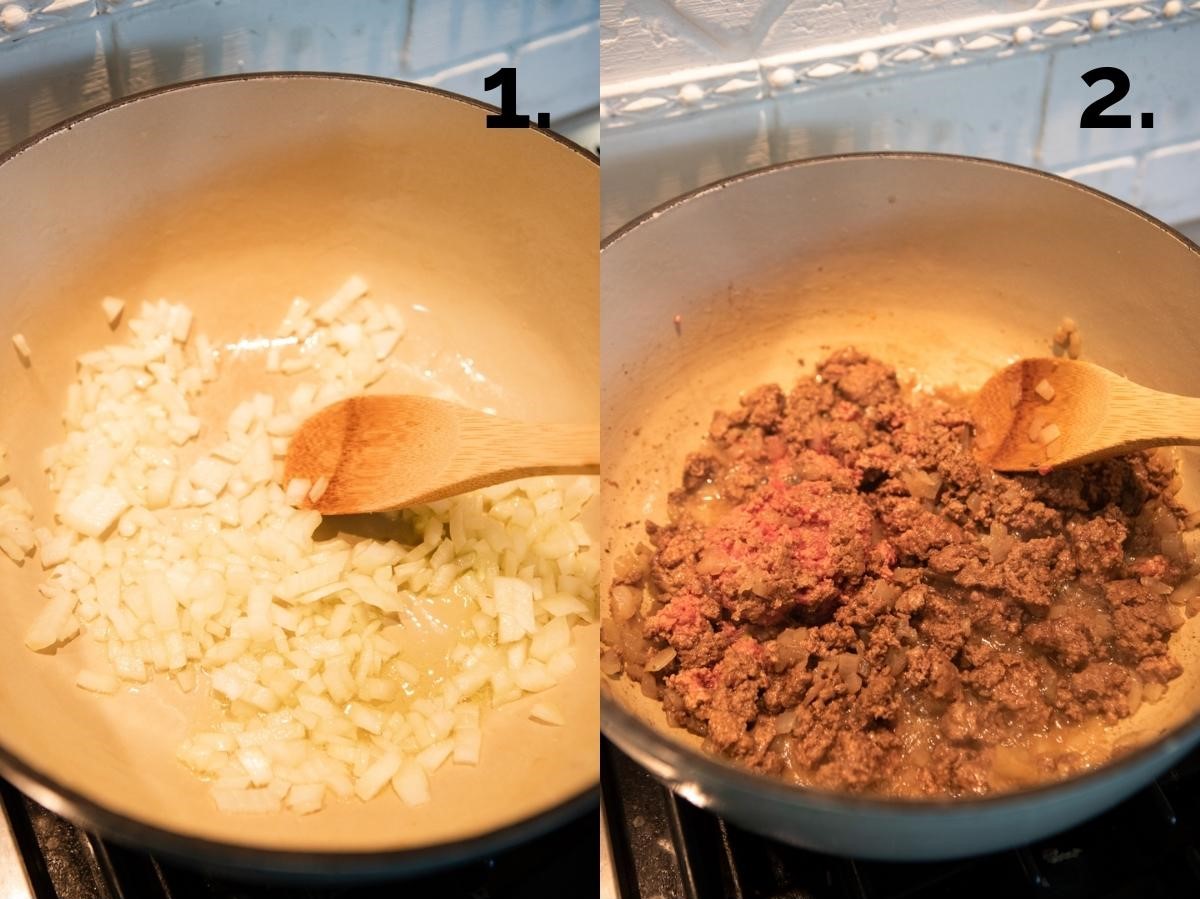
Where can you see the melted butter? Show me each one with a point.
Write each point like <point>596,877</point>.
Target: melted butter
<point>427,631</point>
<point>434,626</point>
<point>428,628</point>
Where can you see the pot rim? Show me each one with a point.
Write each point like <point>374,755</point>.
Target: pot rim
<point>656,750</point>
<point>195,850</point>
<point>750,174</point>
<point>297,75</point>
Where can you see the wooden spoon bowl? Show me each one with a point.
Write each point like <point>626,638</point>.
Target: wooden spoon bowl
<point>1038,414</point>
<point>373,453</point>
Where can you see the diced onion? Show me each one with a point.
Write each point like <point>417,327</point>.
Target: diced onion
<point>998,542</point>
<point>1049,434</point>
<point>97,681</point>
<point>547,713</point>
<point>1036,426</point>
<point>847,664</point>
<point>921,484</point>
<point>320,485</point>
<point>178,548</point>
<point>791,645</point>
<point>94,510</point>
<point>50,622</point>
<point>626,601</point>
<point>21,345</point>
<point>433,757</point>
<point>304,799</point>
<point>411,784</point>
<point>514,606</point>
<point>467,744</point>
<point>112,309</point>
<point>660,659</point>
<point>378,774</point>
<point>297,490</point>
<point>333,308</point>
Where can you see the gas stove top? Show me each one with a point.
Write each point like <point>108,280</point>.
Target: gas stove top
<point>661,847</point>
<point>42,856</point>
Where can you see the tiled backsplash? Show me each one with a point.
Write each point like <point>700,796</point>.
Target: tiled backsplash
<point>660,37</point>
<point>58,57</point>
<point>693,89</point>
<point>772,80</point>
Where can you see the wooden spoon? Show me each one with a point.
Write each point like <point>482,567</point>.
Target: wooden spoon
<point>1091,414</point>
<point>387,452</point>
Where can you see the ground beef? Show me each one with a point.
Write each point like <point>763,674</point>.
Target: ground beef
<point>1069,640</point>
<point>790,550</point>
<point>854,602</point>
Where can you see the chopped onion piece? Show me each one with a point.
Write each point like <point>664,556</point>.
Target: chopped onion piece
<point>564,604</point>
<point>256,765</point>
<point>331,309</point>
<point>660,659</point>
<point>297,490</point>
<point>211,474</point>
<point>551,638</point>
<point>411,784</point>
<point>21,345</point>
<point>1049,434</point>
<point>377,775</point>
<point>97,682</point>
<point>547,713</point>
<point>533,677</point>
<point>53,549</point>
<point>1036,426</point>
<point>467,744</point>
<point>304,799</point>
<point>18,530</point>
<point>514,605</point>
<point>433,757</point>
<point>112,308</point>
<point>50,622</point>
<point>94,510</point>
<point>310,579</point>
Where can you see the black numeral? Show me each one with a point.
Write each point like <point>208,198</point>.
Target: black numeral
<point>506,80</point>
<point>1094,116</point>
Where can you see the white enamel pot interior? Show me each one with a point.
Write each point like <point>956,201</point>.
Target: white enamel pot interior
<point>233,196</point>
<point>947,267</point>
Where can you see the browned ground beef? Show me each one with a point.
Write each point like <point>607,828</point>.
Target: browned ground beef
<point>854,602</point>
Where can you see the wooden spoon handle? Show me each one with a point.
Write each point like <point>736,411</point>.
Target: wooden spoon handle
<point>574,448</point>
<point>524,450</point>
<point>1179,419</point>
<point>1141,418</point>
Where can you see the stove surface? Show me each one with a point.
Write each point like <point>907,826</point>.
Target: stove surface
<point>666,848</point>
<point>43,856</point>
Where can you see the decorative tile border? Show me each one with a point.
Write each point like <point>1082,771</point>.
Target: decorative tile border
<point>650,100</point>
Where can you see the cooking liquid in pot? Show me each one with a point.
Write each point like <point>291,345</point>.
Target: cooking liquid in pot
<point>843,597</point>
<point>430,627</point>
